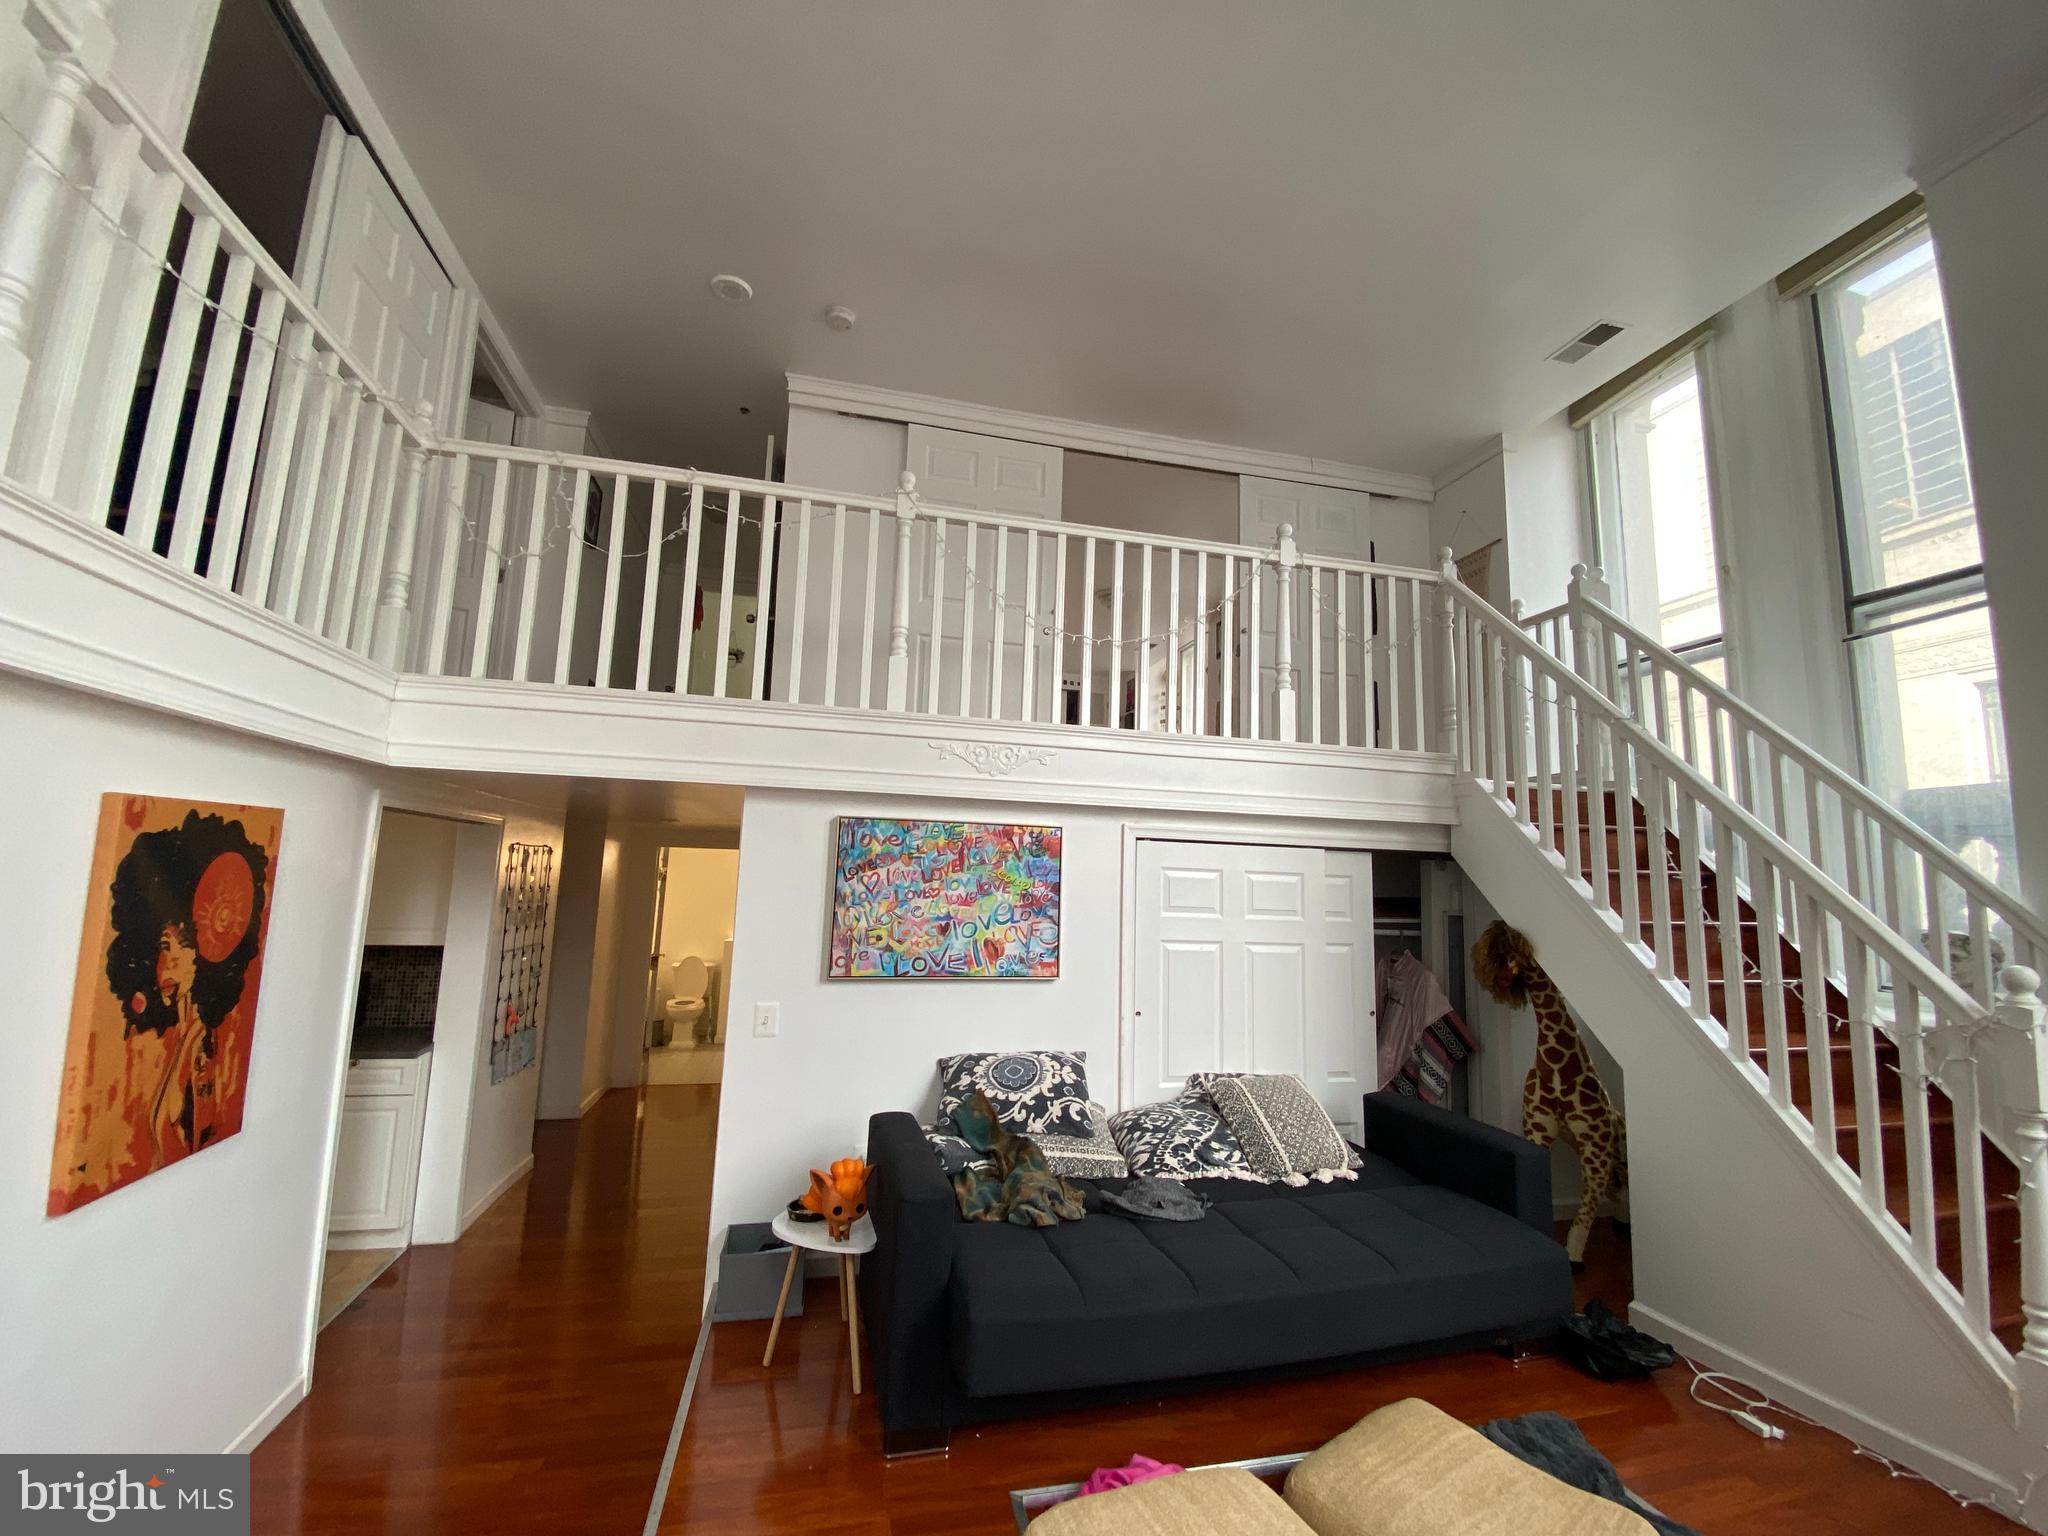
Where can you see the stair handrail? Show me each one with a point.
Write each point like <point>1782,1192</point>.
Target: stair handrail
<point>1494,748</point>
<point>2028,929</point>
<point>1932,984</point>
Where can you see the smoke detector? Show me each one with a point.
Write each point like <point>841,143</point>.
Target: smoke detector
<point>734,290</point>
<point>839,317</point>
<point>1596,335</point>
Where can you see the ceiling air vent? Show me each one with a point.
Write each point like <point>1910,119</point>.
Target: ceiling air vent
<point>1593,336</point>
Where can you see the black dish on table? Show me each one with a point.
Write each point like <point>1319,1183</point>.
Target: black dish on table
<point>798,1211</point>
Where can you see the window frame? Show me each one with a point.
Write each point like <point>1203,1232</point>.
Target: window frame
<point>1600,472</point>
<point>1889,609</point>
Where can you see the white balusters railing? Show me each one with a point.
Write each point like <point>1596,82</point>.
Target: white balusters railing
<point>1769,952</point>
<point>1898,870</point>
<point>162,378</point>
<point>247,446</point>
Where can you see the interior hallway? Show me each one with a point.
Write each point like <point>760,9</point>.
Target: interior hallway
<point>524,1378</point>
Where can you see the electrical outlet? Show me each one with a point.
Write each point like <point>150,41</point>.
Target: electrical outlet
<point>767,1020</point>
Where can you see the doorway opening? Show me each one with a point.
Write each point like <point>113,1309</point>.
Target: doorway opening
<point>689,964</point>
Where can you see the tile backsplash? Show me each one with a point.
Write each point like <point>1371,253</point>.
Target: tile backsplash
<point>399,985</point>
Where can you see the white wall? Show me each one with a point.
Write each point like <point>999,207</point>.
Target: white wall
<point>1471,511</point>
<point>1540,478</point>
<point>501,1115</point>
<point>697,913</point>
<point>579,1022</point>
<point>173,1314</point>
<point>1990,222</point>
<point>410,879</point>
<point>159,52</point>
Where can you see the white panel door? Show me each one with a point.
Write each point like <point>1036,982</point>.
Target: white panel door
<point>1335,525</point>
<point>986,474</point>
<point>1252,959</point>
<point>982,474</point>
<point>380,286</point>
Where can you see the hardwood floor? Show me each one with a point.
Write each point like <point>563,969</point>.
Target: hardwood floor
<point>525,1379</point>
<point>790,1449</point>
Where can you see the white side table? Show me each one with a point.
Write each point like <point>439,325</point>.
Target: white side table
<point>810,1236</point>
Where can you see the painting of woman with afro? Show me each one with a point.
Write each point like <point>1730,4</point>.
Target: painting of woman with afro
<point>164,1006</point>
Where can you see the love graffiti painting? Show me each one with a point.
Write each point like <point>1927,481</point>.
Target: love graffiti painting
<point>939,899</point>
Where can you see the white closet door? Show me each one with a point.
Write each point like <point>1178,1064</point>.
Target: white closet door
<point>380,286</point>
<point>986,474</point>
<point>1252,959</point>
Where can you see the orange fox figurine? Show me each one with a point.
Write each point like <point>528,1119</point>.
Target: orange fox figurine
<point>841,1196</point>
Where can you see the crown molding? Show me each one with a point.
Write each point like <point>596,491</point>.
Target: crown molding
<point>1092,437</point>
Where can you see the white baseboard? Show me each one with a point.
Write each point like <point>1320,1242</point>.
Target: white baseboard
<point>269,1418</point>
<point>1949,1471</point>
<point>591,1098</point>
<point>490,1196</point>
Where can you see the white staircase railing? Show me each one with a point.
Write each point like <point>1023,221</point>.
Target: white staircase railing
<point>163,378</point>
<point>1548,741</point>
<point>1897,869</point>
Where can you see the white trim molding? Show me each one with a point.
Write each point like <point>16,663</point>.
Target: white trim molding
<point>1093,437</point>
<point>995,760</point>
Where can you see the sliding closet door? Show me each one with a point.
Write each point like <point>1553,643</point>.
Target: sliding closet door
<point>1252,959</point>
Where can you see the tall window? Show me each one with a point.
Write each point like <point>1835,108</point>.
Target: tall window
<point>1656,514</point>
<point>1918,631</point>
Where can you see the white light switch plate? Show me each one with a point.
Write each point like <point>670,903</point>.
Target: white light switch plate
<point>767,1020</point>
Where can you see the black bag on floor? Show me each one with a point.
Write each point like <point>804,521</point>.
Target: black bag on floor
<point>1607,1349</point>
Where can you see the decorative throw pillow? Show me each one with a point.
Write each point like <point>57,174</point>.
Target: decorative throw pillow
<point>953,1150</point>
<point>1094,1156</point>
<point>1183,1138</point>
<point>1199,1083</point>
<point>1284,1131</point>
<point>1035,1092</point>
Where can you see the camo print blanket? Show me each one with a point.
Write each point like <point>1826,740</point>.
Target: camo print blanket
<point>1015,1186</point>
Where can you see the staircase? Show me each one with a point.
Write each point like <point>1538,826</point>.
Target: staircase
<point>1831,1085</point>
<point>2001,1177</point>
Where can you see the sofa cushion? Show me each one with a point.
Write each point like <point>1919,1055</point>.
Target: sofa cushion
<point>1410,1469</point>
<point>1270,1276</point>
<point>1033,1092</point>
<point>1211,1501</point>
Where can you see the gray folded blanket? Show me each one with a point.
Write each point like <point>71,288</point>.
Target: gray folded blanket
<point>1552,1443</point>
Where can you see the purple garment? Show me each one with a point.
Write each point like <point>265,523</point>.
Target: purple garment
<point>1410,1001</point>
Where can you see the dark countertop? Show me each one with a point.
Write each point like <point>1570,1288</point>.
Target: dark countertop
<point>389,1044</point>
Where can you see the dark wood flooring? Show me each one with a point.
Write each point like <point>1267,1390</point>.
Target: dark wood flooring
<point>525,1379</point>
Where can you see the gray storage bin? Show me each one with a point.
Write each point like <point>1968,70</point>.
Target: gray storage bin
<point>750,1270</point>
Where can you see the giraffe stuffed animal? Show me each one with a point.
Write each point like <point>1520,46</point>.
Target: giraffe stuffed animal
<point>1562,1095</point>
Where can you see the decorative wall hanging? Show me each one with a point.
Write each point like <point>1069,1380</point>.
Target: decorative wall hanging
<point>163,1010</point>
<point>945,899</point>
<point>522,957</point>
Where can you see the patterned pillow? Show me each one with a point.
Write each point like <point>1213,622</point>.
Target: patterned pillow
<point>1284,1131</point>
<point>1183,1138</point>
<point>1036,1092</point>
<point>1094,1156</point>
<point>1200,1082</point>
<point>953,1150</point>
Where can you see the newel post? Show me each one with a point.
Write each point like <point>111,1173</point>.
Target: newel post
<point>1285,559</point>
<point>80,43</point>
<point>387,639</point>
<point>2020,1072</point>
<point>898,696</point>
<point>1447,653</point>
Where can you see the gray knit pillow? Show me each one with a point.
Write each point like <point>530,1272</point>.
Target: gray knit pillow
<point>1284,1131</point>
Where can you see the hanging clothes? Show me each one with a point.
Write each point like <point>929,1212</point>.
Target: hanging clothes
<point>1421,1036</point>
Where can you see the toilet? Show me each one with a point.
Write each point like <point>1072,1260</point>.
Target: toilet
<point>687,1009</point>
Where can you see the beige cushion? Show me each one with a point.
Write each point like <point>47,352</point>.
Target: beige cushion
<point>1207,1503</point>
<point>1410,1469</point>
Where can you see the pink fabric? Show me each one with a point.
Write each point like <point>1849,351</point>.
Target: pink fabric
<point>1139,1469</point>
<point>1410,1001</point>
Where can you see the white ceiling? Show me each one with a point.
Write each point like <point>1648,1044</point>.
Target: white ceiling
<point>1347,230</point>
